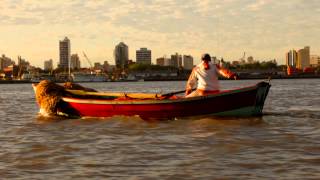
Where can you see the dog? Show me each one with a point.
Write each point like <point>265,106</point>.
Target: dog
<point>49,94</point>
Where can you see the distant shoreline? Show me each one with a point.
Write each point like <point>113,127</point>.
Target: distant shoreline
<point>307,76</point>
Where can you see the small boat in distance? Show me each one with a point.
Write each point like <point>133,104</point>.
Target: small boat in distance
<point>247,101</point>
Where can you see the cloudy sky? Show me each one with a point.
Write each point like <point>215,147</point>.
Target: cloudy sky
<point>264,29</point>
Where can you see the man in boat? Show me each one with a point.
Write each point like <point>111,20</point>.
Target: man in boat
<point>205,75</point>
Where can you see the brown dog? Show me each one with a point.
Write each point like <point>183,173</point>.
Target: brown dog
<point>49,94</point>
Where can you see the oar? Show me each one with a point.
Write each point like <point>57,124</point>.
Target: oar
<point>173,93</point>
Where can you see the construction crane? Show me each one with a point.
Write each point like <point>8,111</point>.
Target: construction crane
<point>243,58</point>
<point>86,57</point>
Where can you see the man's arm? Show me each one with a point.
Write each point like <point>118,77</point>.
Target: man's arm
<point>191,81</point>
<point>227,73</point>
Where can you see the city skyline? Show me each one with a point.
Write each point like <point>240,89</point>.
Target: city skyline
<point>263,29</point>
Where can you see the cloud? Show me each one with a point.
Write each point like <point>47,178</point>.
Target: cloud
<point>223,27</point>
<point>25,21</point>
<point>4,19</point>
<point>256,6</point>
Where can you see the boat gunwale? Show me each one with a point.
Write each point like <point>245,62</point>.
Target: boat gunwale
<point>156,101</point>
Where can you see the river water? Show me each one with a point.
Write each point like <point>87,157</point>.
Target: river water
<point>282,144</point>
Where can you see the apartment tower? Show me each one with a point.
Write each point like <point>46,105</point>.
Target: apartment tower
<point>143,56</point>
<point>64,53</point>
<point>121,55</point>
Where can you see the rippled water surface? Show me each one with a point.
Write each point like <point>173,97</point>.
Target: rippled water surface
<point>282,144</point>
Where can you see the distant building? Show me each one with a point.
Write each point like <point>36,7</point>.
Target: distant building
<point>75,62</point>
<point>250,60</point>
<point>121,55</point>
<point>235,63</point>
<point>23,65</point>
<point>22,62</point>
<point>106,66</point>
<point>215,60</point>
<point>48,65</point>
<point>315,61</point>
<point>163,61</point>
<point>292,58</point>
<point>303,60</point>
<point>130,61</point>
<point>112,67</point>
<point>187,62</point>
<point>143,56</point>
<point>98,66</point>
<point>176,60</point>
<point>11,71</point>
<point>160,61</point>
<point>5,62</point>
<point>64,53</point>
<point>167,62</point>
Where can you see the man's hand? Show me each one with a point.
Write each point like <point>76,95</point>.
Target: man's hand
<point>188,91</point>
<point>234,76</point>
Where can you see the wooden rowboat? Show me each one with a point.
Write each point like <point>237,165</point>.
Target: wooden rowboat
<point>247,101</point>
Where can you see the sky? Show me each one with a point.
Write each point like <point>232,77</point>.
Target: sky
<point>264,29</point>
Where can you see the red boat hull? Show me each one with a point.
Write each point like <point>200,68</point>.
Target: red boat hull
<point>247,101</point>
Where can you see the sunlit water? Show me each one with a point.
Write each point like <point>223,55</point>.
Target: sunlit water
<point>282,144</point>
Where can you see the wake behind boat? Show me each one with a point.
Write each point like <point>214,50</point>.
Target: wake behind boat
<point>247,101</point>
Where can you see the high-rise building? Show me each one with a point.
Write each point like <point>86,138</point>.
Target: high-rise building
<point>48,65</point>
<point>176,60</point>
<point>143,56</point>
<point>121,55</point>
<point>292,58</point>
<point>64,52</point>
<point>315,61</point>
<point>75,62</point>
<point>187,62</point>
<point>303,58</point>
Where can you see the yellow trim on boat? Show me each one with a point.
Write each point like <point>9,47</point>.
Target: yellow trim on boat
<point>118,94</point>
